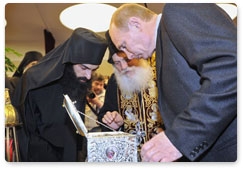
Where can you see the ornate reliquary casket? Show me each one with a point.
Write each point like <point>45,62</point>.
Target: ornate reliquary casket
<point>103,146</point>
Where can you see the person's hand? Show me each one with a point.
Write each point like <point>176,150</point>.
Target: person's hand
<point>159,149</point>
<point>113,119</point>
<point>96,102</point>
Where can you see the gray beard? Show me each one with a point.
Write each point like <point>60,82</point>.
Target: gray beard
<point>136,82</point>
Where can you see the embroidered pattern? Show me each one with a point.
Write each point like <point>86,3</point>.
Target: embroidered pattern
<point>140,111</point>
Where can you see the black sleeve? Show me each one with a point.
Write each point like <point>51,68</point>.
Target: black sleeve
<point>110,103</point>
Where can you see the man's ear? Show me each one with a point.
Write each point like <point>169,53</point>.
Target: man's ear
<point>134,23</point>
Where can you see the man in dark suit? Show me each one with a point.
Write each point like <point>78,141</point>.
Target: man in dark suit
<point>196,62</point>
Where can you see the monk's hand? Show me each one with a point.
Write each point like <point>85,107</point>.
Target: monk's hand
<point>113,119</point>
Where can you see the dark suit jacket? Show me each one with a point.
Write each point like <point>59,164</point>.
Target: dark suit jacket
<point>197,79</point>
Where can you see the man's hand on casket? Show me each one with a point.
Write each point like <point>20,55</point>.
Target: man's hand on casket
<point>159,149</point>
<point>113,119</point>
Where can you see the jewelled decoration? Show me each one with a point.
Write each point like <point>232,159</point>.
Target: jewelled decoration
<point>112,147</point>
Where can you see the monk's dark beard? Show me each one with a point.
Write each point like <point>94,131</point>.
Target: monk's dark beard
<point>75,89</point>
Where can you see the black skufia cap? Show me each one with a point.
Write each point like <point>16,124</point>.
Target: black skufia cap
<point>112,48</point>
<point>86,47</point>
<point>29,57</point>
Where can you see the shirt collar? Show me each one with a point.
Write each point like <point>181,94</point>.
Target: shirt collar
<point>157,25</point>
